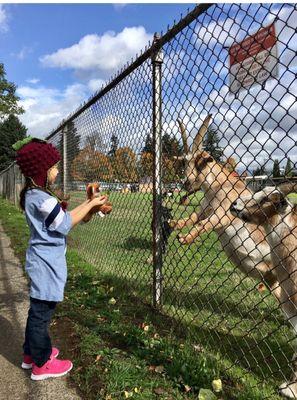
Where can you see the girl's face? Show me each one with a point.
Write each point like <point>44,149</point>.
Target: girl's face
<point>52,174</point>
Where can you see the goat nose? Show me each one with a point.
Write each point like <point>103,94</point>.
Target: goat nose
<point>233,206</point>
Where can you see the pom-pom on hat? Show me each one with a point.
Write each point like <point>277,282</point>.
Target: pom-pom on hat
<point>35,157</point>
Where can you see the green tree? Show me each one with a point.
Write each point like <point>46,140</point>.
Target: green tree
<point>8,99</point>
<point>261,170</point>
<point>171,147</point>
<point>289,168</point>
<point>211,145</point>
<point>276,169</point>
<point>114,145</point>
<point>148,145</point>
<point>11,130</point>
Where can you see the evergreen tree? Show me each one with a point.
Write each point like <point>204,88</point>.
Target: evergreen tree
<point>114,145</point>
<point>260,171</point>
<point>149,145</point>
<point>171,147</point>
<point>8,98</point>
<point>211,145</point>
<point>11,130</point>
<point>289,168</point>
<point>276,169</point>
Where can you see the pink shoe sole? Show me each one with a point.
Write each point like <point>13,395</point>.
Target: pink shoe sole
<point>29,365</point>
<point>46,376</point>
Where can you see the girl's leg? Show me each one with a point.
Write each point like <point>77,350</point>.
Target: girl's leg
<point>26,345</point>
<point>37,339</point>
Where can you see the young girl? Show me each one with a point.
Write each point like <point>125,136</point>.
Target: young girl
<point>49,224</point>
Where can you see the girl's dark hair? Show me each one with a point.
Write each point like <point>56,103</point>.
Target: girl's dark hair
<point>28,185</point>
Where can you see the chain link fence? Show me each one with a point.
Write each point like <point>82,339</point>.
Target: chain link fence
<point>204,116</point>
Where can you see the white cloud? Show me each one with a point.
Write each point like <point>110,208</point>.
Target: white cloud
<point>23,53</point>
<point>33,80</point>
<point>45,107</point>
<point>96,84</point>
<point>3,19</point>
<point>119,6</point>
<point>105,54</point>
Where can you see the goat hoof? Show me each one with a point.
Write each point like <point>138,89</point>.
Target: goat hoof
<point>288,390</point>
<point>182,239</point>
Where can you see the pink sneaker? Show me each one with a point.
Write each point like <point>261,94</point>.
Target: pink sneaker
<point>53,368</point>
<point>27,360</point>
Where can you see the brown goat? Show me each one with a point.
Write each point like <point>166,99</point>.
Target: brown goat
<point>270,208</point>
<point>244,243</point>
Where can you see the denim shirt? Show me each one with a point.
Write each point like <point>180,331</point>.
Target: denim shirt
<point>45,256</point>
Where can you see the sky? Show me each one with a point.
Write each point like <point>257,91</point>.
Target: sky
<point>59,55</point>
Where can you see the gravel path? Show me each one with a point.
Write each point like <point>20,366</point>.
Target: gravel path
<point>15,383</point>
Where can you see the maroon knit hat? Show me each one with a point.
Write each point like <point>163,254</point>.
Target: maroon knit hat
<point>35,157</point>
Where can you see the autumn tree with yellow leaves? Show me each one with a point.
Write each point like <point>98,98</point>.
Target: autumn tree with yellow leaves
<point>91,165</point>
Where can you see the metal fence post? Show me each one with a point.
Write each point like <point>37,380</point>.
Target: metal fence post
<point>65,174</point>
<point>157,60</point>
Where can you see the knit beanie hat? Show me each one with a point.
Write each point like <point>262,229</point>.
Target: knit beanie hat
<point>35,157</point>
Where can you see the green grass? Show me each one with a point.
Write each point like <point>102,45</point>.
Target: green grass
<point>214,321</point>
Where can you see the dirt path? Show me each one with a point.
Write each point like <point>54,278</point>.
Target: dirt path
<point>15,383</point>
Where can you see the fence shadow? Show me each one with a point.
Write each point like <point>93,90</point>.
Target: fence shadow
<point>267,358</point>
<point>132,243</point>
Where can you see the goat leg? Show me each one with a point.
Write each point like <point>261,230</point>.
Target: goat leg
<point>193,219</point>
<point>212,223</point>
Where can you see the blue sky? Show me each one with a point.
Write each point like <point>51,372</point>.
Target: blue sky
<point>30,32</point>
<point>59,55</point>
<point>35,30</point>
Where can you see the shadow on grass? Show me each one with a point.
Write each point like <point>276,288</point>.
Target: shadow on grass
<point>266,358</point>
<point>132,243</point>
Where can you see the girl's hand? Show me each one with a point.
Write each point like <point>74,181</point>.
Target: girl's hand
<point>98,201</point>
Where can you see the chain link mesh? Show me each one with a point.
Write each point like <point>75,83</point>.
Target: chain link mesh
<point>219,276</point>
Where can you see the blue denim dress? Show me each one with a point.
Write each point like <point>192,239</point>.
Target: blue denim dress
<point>45,257</point>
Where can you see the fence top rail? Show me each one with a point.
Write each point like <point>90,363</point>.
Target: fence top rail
<point>156,45</point>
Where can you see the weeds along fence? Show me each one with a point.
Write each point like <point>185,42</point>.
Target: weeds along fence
<point>237,63</point>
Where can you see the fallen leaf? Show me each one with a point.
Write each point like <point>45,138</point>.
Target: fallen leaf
<point>144,326</point>
<point>198,348</point>
<point>206,394</point>
<point>112,301</point>
<point>216,385</point>
<point>159,391</point>
<point>128,394</point>
<point>187,388</point>
<point>261,287</point>
<point>159,369</point>
<point>98,358</point>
